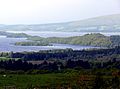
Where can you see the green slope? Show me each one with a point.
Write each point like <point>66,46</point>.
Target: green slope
<point>95,39</point>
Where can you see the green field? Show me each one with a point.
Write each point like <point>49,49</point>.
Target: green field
<point>54,81</point>
<point>31,81</point>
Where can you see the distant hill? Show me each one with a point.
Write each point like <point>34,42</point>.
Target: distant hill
<point>102,23</point>
<point>108,23</point>
<point>98,21</point>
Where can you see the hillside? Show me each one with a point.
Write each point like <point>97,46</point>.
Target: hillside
<point>98,21</point>
<point>93,39</point>
<point>86,40</point>
<point>108,23</point>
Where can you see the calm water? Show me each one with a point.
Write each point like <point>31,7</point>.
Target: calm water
<point>7,44</point>
<point>60,34</point>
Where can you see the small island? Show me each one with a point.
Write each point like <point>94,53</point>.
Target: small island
<point>33,43</point>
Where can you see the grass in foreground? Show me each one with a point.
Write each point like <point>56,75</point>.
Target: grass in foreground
<point>56,81</point>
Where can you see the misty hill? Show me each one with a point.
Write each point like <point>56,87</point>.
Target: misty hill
<point>98,21</point>
<point>109,23</point>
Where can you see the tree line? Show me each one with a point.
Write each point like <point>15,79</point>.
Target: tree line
<point>15,65</point>
<point>66,54</point>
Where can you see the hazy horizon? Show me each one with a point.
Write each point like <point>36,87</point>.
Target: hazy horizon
<point>54,11</point>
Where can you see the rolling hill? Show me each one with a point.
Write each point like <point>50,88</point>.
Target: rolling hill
<point>108,23</point>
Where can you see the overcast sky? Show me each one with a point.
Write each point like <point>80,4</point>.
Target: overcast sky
<point>51,11</point>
